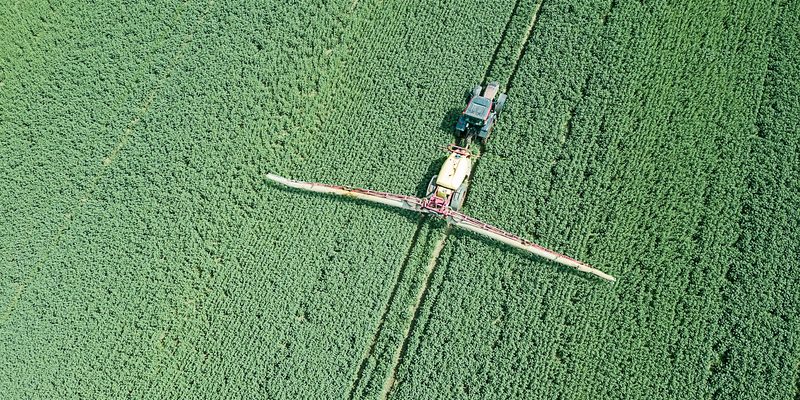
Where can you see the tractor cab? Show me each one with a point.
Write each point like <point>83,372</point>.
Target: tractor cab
<point>481,111</point>
<point>478,110</point>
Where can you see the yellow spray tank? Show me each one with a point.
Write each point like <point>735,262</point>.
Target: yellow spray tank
<point>450,185</point>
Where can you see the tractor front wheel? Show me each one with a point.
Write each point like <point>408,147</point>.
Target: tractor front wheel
<point>476,91</point>
<point>501,102</point>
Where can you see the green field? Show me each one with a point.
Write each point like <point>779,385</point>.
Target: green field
<point>144,255</point>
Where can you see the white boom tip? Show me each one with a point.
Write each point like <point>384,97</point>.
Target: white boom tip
<point>603,275</point>
<point>596,272</point>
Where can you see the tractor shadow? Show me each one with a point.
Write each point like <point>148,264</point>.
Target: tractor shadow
<point>449,120</point>
<point>433,169</point>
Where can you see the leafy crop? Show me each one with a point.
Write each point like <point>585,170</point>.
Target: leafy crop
<point>142,254</point>
<point>163,266</point>
<point>626,146</point>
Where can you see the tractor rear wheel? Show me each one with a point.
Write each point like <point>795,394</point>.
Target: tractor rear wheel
<point>457,201</point>
<point>431,186</point>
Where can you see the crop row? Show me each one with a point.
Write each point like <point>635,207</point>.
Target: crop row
<point>70,91</point>
<point>177,272</point>
<point>59,119</point>
<point>758,330</point>
<point>625,146</point>
<point>366,116</point>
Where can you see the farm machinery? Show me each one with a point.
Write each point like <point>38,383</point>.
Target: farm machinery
<point>446,190</point>
<point>480,115</point>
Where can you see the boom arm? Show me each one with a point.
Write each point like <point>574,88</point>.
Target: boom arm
<point>473,225</point>
<point>390,199</point>
<point>458,219</point>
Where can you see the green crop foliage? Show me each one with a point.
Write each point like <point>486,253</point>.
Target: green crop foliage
<point>647,141</point>
<point>142,254</point>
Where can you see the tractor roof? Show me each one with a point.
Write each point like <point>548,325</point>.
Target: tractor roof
<point>478,107</point>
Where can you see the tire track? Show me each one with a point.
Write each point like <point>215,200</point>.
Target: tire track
<point>422,293</point>
<point>368,351</point>
<point>401,352</point>
<point>503,36</point>
<point>524,47</point>
<point>389,382</point>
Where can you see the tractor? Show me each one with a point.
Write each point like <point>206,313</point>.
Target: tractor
<point>480,115</point>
